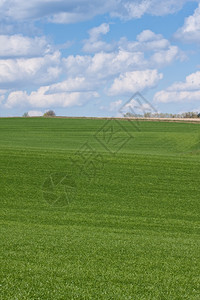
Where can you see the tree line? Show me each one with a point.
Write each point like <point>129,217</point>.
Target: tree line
<point>193,115</point>
<point>188,115</point>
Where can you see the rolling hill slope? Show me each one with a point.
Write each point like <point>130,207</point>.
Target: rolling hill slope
<point>99,209</point>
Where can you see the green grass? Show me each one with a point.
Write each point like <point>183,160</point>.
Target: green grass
<point>130,227</point>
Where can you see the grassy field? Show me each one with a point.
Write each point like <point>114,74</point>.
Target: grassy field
<point>96,209</point>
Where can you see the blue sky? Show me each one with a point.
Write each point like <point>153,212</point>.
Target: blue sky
<point>87,58</point>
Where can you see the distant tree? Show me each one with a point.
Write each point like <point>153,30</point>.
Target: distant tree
<point>129,115</point>
<point>190,114</point>
<point>147,115</point>
<point>132,115</point>
<point>25,115</point>
<point>49,113</point>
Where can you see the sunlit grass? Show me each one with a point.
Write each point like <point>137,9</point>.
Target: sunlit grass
<point>130,229</point>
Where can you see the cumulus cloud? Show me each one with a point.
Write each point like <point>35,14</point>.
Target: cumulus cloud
<point>138,105</point>
<point>113,71</point>
<point>115,105</point>
<point>21,46</point>
<point>192,82</point>
<point>189,90</point>
<point>165,57</point>
<point>26,61</point>
<point>184,96</point>
<point>103,65</point>
<point>22,71</point>
<point>35,113</point>
<point>136,9</point>
<point>97,31</point>
<point>63,11</point>
<point>94,43</point>
<point>132,9</point>
<point>150,50</point>
<point>84,72</point>
<point>135,81</point>
<point>158,50</point>
<point>74,84</point>
<point>42,98</point>
<point>190,32</point>
<point>145,41</point>
<point>68,11</point>
<point>167,7</point>
<point>148,35</point>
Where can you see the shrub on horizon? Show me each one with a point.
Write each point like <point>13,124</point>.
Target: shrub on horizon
<point>49,113</point>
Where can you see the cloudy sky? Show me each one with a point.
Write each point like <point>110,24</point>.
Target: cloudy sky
<point>88,57</point>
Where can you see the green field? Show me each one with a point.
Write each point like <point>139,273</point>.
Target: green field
<point>95,209</point>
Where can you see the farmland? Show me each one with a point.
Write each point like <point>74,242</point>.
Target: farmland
<point>99,209</point>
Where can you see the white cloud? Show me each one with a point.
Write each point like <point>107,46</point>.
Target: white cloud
<point>167,7</point>
<point>150,50</point>
<point>165,57</point>
<point>115,105</point>
<point>21,46</point>
<point>140,106</point>
<point>184,96</point>
<point>113,72</point>
<point>131,9</point>
<point>158,50</point>
<point>186,91</point>
<point>107,64</point>
<point>146,41</point>
<point>97,31</point>
<point>27,61</point>
<point>16,98</point>
<point>148,35</point>
<point>68,11</point>
<point>192,82</point>
<point>103,65</point>
<point>73,85</point>
<point>135,81</point>
<point>42,98</point>
<point>37,70</point>
<point>62,11</point>
<point>136,9</point>
<point>82,72</point>
<point>35,113</point>
<point>190,32</point>
<point>94,44</point>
